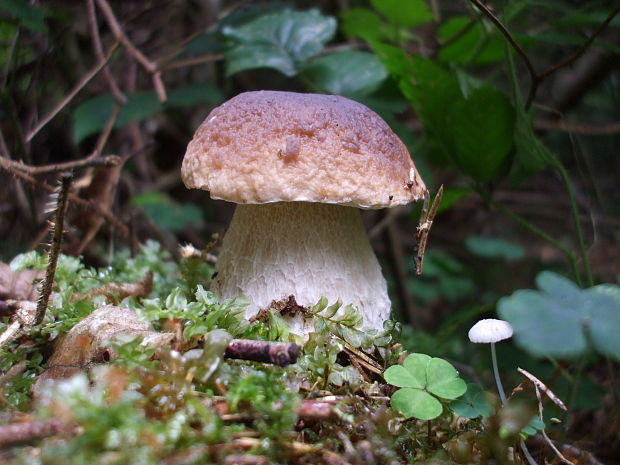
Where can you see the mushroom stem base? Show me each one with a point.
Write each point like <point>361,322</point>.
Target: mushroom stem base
<point>309,250</point>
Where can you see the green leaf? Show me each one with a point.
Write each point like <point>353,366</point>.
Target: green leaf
<point>443,379</point>
<point>407,13</point>
<point>164,212</point>
<point>365,24</point>
<point>417,365</point>
<point>533,427</point>
<point>494,247</point>
<point>531,155</point>
<point>473,403</point>
<point>434,375</point>
<point>482,133</point>
<point>91,116</point>
<point>330,311</point>
<point>558,38</point>
<point>416,403</point>
<point>560,319</point>
<point>282,40</point>
<point>193,94</point>
<point>28,16</point>
<point>347,72</point>
<point>431,90</point>
<point>451,196</point>
<point>398,375</point>
<point>468,42</point>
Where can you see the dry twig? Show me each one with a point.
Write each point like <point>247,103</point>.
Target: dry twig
<point>278,353</point>
<point>54,252</point>
<point>71,95</point>
<point>535,76</point>
<point>120,35</point>
<point>120,98</point>
<point>118,225</point>
<point>28,431</point>
<point>10,165</point>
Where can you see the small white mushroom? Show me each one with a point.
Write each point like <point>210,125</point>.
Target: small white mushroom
<point>490,331</point>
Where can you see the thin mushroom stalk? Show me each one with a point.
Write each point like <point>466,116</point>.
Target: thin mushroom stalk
<point>498,381</point>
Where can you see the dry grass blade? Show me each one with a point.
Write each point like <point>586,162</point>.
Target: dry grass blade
<point>426,221</point>
<point>540,385</point>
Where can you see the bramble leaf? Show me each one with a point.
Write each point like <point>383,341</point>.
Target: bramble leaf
<point>346,72</point>
<point>282,40</point>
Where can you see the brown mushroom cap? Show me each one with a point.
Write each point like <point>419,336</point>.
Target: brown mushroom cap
<point>267,146</point>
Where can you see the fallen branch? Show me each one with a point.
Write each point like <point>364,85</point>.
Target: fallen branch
<point>278,353</point>
<point>24,432</point>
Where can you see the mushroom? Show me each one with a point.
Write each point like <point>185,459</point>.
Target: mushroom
<point>299,166</point>
<point>490,331</point>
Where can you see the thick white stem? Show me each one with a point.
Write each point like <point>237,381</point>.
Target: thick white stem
<point>309,250</point>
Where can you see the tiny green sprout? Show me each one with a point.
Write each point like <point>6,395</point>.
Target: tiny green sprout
<point>424,380</point>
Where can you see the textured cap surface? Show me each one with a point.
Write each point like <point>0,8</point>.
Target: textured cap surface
<point>490,330</point>
<point>267,146</point>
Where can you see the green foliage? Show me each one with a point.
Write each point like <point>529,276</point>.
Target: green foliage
<point>347,72</point>
<point>318,363</point>
<point>194,272</point>
<point>166,213</point>
<point>150,258</point>
<point>283,40</point>
<point>423,380</point>
<point>467,41</point>
<point>473,403</point>
<point>533,427</point>
<point>199,317</point>
<point>26,15</point>
<point>562,320</point>
<point>346,322</point>
<point>268,396</point>
<point>494,248</point>
<point>444,278</point>
<point>480,128</point>
<point>91,116</point>
<point>407,14</point>
<point>115,425</point>
<point>17,391</point>
<point>365,24</point>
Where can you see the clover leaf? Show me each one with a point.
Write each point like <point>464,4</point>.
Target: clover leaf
<point>423,380</point>
<point>561,320</point>
<point>473,403</point>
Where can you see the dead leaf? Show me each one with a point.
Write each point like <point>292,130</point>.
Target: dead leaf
<point>19,285</point>
<point>115,292</point>
<point>88,342</point>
